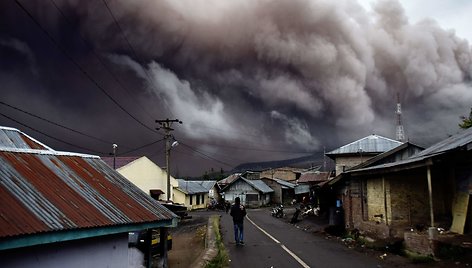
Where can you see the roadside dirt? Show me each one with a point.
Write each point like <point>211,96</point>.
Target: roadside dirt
<point>188,242</point>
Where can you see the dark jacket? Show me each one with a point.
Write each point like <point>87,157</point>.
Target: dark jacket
<point>238,212</point>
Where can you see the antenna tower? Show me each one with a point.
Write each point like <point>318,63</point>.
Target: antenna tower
<point>400,131</point>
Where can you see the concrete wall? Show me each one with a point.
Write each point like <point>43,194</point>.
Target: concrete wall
<point>105,251</point>
<point>277,194</point>
<point>283,174</point>
<point>182,198</point>
<point>345,162</point>
<point>148,176</point>
<point>386,206</point>
<point>241,189</point>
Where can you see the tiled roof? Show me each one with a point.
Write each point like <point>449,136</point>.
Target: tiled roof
<point>314,177</point>
<point>120,161</point>
<point>370,144</point>
<point>42,190</point>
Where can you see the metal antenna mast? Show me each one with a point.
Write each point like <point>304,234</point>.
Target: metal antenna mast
<point>166,125</point>
<point>400,131</point>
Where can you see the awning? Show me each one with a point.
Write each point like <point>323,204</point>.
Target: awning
<point>302,189</point>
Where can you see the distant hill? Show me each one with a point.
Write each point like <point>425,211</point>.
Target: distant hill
<point>299,162</point>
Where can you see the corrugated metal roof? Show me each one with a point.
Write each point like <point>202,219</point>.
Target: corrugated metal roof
<point>11,138</point>
<point>370,144</point>
<point>314,177</point>
<point>56,191</point>
<point>454,142</point>
<point>259,185</point>
<point>285,183</point>
<point>459,140</point>
<point>195,187</point>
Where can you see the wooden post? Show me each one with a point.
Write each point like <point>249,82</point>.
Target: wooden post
<point>430,190</point>
<point>385,199</point>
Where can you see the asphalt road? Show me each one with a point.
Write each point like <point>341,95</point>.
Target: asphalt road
<point>276,243</point>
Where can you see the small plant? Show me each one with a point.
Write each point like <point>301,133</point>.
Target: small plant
<point>418,258</point>
<point>221,259</point>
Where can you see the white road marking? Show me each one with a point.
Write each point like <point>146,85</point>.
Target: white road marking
<point>300,261</point>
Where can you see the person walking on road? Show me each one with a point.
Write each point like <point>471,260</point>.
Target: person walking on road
<point>238,212</point>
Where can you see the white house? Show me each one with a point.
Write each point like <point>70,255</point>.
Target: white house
<point>195,194</point>
<point>145,174</point>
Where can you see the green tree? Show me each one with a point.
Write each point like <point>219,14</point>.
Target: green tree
<point>466,121</point>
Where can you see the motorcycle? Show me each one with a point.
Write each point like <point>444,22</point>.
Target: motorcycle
<point>310,210</point>
<point>278,211</point>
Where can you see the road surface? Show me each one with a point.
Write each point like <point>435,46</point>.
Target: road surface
<point>272,242</point>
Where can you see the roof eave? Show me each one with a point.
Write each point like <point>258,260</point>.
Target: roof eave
<point>68,235</point>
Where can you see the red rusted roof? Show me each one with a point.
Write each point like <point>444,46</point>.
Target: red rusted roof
<point>314,177</point>
<point>45,190</point>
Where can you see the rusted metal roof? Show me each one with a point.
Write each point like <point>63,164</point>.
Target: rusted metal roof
<point>42,190</point>
<point>314,177</point>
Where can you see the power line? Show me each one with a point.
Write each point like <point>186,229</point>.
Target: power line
<point>82,70</point>
<point>141,147</point>
<point>75,131</point>
<point>133,51</point>
<point>52,137</point>
<point>99,58</point>
<point>54,123</point>
<point>207,156</point>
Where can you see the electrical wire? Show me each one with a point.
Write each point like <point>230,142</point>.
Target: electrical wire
<point>102,62</point>
<point>55,124</point>
<point>52,137</point>
<point>133,51</point>
<point>141,147</point>
<point>82,70</point>
<point>207,156</point>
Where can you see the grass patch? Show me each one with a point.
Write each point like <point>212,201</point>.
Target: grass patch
<point>418,258</point>
<point>221,259</point>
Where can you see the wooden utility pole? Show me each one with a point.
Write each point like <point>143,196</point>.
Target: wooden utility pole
<point>166,125</point>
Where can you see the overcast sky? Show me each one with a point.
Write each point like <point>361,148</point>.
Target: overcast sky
<point>251,80</point>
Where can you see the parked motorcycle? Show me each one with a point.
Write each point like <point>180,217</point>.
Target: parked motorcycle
<point>278,211</point>
<point>310,210</point>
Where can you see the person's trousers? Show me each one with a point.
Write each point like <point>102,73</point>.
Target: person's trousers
<point>238,232</point>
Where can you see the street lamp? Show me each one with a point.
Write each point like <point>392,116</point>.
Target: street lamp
<point>168,147</point>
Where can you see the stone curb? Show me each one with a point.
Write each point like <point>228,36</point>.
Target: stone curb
<point>210,251</point>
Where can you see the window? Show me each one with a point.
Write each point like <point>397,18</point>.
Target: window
<point>191,199</point>
<point>252,197</point>
<point>198,199</point>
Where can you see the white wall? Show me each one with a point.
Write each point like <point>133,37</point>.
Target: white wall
<point>105,251</point>
<point>148,176</point>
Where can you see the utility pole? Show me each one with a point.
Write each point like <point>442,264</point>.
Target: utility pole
<point>166,125</point>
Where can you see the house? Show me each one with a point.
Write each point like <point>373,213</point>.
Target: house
<point>359,151</point>
<point>285,173</point>
<point>195,194</point>
<point>284,191</point>
<point>353,193</point>
<point>145,174</point>
<point>253,193</point>
<point>68,209</point>
<point>428,190</point>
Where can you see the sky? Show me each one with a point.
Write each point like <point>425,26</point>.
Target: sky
<point>251,80</point>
